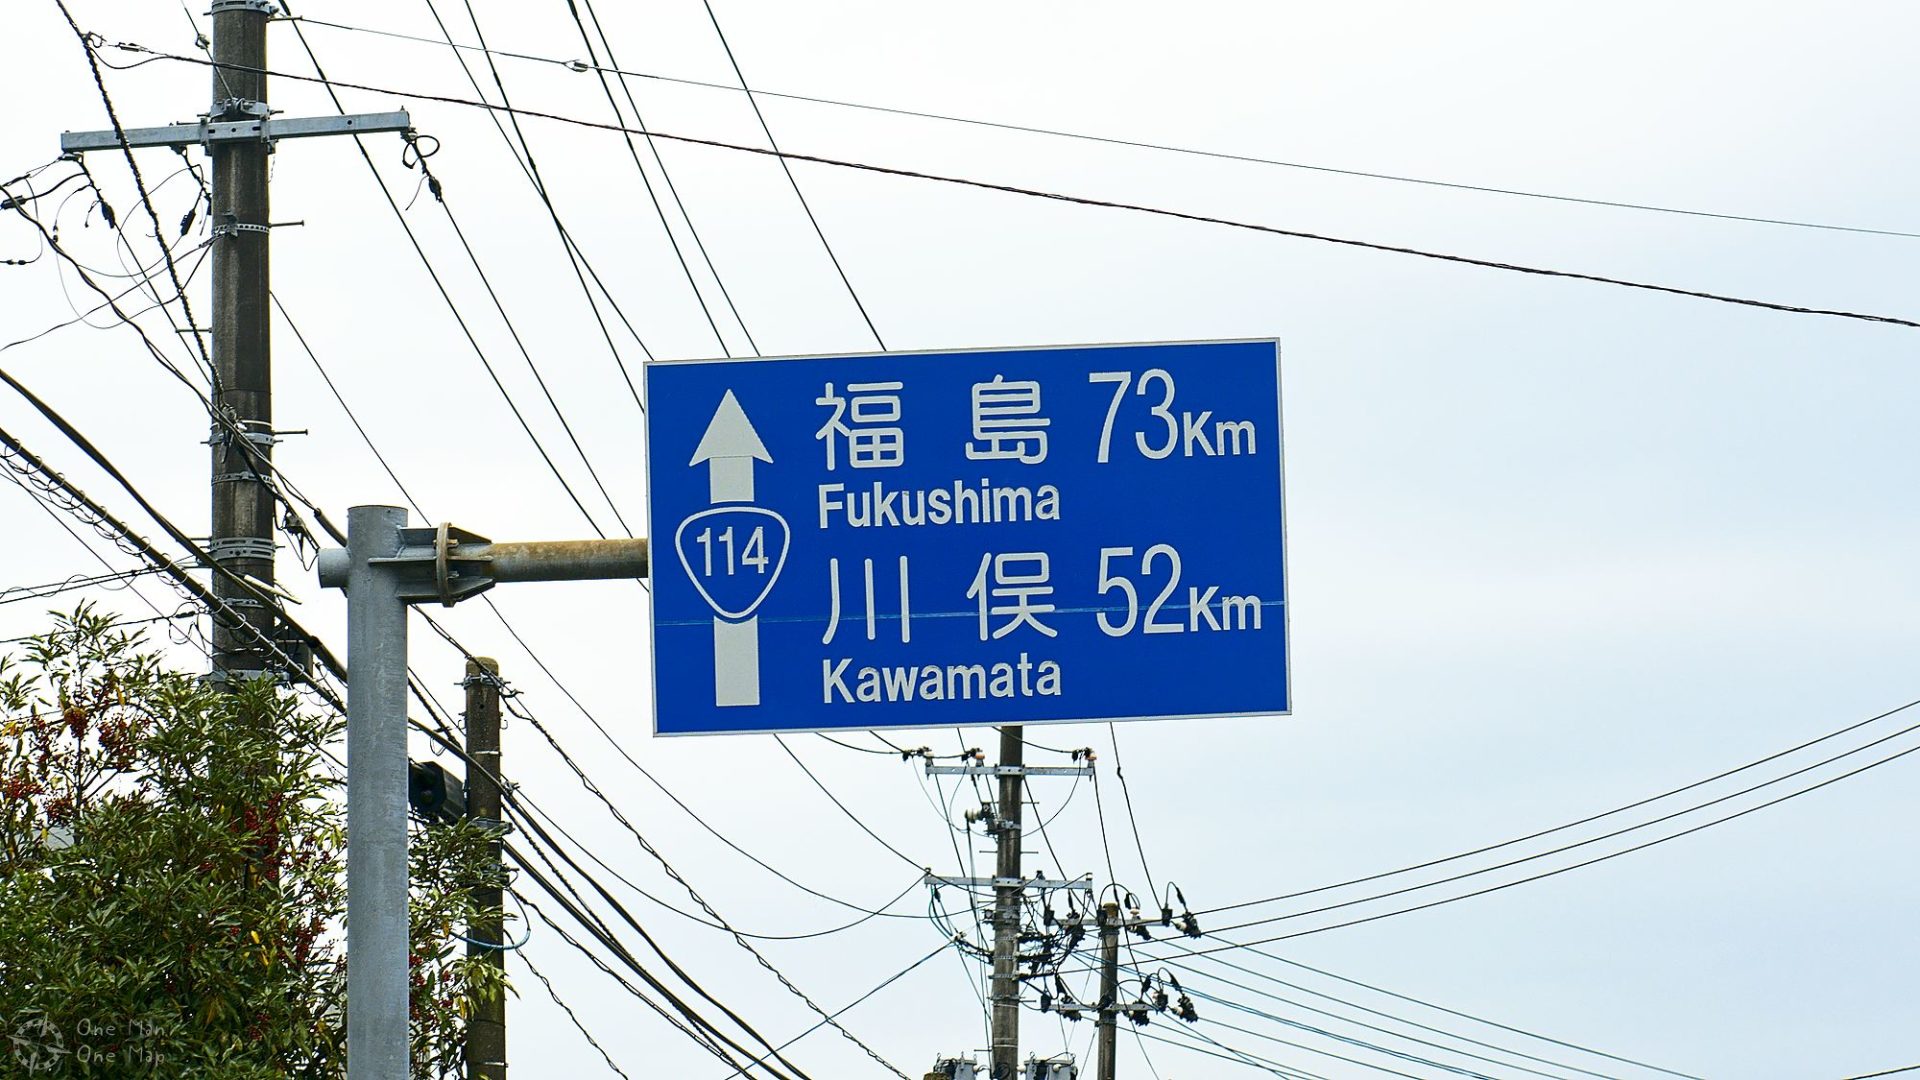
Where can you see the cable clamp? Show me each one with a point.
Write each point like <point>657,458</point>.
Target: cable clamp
<point>484,678</point>
<point>240,547</point>
<point>234,108</point>
<point>241,675</point>
<point>222,434</point>
<point>235,120</point>
<point>244,602</point>
<point>231,227</point>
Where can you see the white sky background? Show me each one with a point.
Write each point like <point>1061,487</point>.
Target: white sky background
<point>1555,546</point>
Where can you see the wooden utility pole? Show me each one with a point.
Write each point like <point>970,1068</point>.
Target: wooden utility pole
<point>242,536</point>
<point>1005,1049</point>
<point>487,1026</point>
<point>1109,986</point>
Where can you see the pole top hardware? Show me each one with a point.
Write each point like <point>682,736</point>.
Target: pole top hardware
<point>222,434</point>
<point>264,7</point>
<point>224,548</point>
<point>446,538</point>
<point>1080,884</point>
<point>1008,770</point>
<point>249,128</point>
<point>230,108</point>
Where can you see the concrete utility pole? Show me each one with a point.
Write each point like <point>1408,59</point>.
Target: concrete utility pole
<point>238,135</point>
<point>1009,889</point>
<point>385,567</point>
<point>487,1027</point>
<point>1109,987</point>
<point>243,501</point>
<point>1005,1050</point>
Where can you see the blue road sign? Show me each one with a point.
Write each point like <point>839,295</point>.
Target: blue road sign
<point>984,537</point>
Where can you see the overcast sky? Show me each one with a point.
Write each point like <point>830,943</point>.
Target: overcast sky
<point>1555,546</point>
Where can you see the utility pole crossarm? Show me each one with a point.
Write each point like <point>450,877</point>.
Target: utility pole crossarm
<point>1082,884</point>
<point>251,129</point>
<point>1009,770</point>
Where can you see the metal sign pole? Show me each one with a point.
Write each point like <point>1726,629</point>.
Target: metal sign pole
<point>376,798</point>
<point>385,567</point>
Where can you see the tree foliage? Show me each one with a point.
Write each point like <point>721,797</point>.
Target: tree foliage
<point>172,876</point>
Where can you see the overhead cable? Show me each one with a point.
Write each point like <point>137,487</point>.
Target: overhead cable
<point>575,1019</point>
<point>1624,830</point>
<point>791,182</point>
<point>647,182</point>
<point>1141,144</point>
<point>1081,200</point>
<point>1589,819</point>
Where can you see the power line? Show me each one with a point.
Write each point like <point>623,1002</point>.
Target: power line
<point>440,286</point>
<point>523,157</point>
<point>621,751</point>
<point>578,1026</point>
<point>334,700</point>
<point>16,472</point>
<point>518,798</point>
<point>1108,204</point>
<point>146,201</point>
<point>581,911</point>
<point>366,437</point>
<point>111,302</point>
<point>851,816</point>
<point>1100,816</point>
<point>542,665</point>
<point>1169,962</point>
<point>679,879</point>
<point>1561,870</point>
<point>82,504</point>
<point>678,972</point>
<point>843,1010</point>
<point>74,436</point>
<point>1436,1007</point>
<point>788,170</point>
<point>1621,831</point>
<point>1352,1061</point>
<point>646,182</point>
<point>1589,819</point>
<point>1229,1003</point>
<point>689,1024</point>
<point>1240,1057</point>
<point>1233,1056</point>
<point>116,624</point>
<point>1170,148</point>
<point>334,389</point>
<point>1126,794</point>
<point>15,594</point>
<point>439,196</point>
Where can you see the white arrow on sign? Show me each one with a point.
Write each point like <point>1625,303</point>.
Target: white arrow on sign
<point>730,447</point>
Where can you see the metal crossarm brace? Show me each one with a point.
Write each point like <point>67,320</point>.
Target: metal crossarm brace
<point>248,130</point>
<point>1083,884</point>
<point>1009,770</point>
